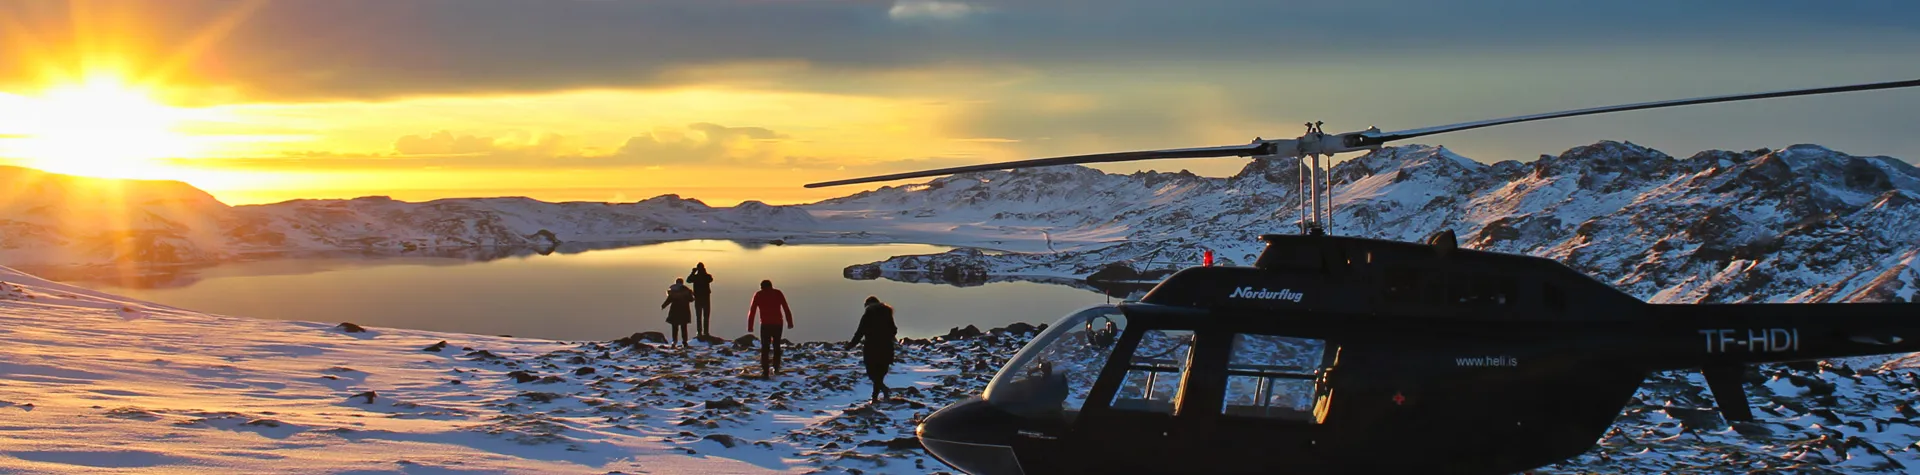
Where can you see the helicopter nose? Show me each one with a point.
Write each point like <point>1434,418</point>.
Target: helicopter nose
<point>973,436</point>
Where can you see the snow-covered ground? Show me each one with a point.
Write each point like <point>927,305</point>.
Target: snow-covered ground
<point>93,383</point>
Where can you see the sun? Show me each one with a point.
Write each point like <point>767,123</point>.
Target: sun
<point>101,128</point>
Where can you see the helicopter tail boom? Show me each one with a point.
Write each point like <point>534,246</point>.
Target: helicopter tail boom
<point>1719,334</point>
<point>1722,340</point>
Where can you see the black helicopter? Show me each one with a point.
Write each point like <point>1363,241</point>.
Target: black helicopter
<point>1348,355</point>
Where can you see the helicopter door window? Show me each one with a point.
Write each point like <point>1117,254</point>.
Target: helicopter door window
<point>1154,372</point>
<point>1274,376</point>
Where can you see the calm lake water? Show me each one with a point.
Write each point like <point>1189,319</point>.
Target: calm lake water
<point>587,294</point>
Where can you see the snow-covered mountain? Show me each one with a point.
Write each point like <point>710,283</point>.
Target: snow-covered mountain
<point>56,219</point>
<point>1804,224</point>
<point>1801,224</point>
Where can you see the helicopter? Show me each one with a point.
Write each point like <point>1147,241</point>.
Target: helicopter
<point>1334,354</point>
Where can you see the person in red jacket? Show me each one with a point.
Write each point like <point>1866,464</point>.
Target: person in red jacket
<point>771,306</point>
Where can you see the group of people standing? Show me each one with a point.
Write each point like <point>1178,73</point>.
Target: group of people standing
<point>694,304</point>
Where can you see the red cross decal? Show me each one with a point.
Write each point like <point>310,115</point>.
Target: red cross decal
<point>1399,399</point>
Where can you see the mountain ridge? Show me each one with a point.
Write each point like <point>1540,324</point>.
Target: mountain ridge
<point>63,219</point>
<point>1788,225</point>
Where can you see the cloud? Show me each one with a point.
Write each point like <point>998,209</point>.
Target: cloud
<point>442,143</point>
<point>929,9</point>
<point>698,144</point>
<point>709,144</point>
<point>699,147</point>
<point>296,50</point>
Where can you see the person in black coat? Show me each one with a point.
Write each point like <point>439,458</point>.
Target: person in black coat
<point>877,330</point>
<point>702,297</point>
<point>680,299</point>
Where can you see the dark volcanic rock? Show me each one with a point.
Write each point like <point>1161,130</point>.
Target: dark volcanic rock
<point>1021,328</point>
<point>349,327</point>
<point>638,339</point>
<point>727,441</point>
<point>958,333</point>
<point>523,377</point>
<point>725,404</point>
<point>904,443</point>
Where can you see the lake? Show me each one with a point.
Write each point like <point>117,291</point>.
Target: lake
<point>585,294</point>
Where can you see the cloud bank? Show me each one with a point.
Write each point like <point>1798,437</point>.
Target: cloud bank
<point>293,50</point>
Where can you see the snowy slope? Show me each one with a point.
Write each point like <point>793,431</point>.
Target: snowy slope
<point>91,382</point>
<point>95,383</point>
<point>1803,224</point>
<point>49,217</point>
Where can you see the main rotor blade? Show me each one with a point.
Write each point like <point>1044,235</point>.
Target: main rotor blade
<point>1407,134</point>
<point>1256,148</point>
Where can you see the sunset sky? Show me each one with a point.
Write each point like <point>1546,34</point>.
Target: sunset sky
<point>729,100</point>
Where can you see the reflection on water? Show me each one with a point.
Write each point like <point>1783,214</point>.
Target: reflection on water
<point>581,291</point>
<point>159,276</point>
<point>1118,290</point>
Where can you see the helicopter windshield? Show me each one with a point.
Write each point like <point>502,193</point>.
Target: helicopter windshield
<point>1054,374</point>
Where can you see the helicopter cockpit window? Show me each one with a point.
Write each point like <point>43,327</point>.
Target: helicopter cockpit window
<point>1055,372</point>
<point>1154,372</point>
<point>1274,376</point>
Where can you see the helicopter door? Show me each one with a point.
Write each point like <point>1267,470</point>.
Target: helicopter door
<point>1274,399</point>
<point>1136,422</point>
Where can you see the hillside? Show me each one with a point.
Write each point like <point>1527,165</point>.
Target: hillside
<point>1801,224</point>
<point>59,219</point>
